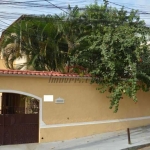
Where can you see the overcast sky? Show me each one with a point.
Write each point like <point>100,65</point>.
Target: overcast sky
<point>10,11</point>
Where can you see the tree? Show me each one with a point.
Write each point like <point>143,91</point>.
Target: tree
<point>46,41</point>
<point>72,29</point>
<point>108,43</point>
<point>39,40</point>
<point>113,52</point>
<point>42,44</point>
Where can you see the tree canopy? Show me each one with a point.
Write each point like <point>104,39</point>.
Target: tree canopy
<point>108,43</point>
<point>115,52</point>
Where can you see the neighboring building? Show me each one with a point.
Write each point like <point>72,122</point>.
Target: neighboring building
<point>16,64</point>
<point>12,46</point>
<point>2,63</point>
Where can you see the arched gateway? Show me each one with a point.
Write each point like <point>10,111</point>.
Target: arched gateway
<point>18,124</point>
<point>19,118</point>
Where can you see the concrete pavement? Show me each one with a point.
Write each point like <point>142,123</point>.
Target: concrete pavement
<point>107,141</point>
<point>145,148</point>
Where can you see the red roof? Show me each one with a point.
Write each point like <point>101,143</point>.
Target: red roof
<point>38,73</point>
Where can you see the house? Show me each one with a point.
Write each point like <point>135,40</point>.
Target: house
<point>27,35</point>
<point>46,106</point>
<point>69,107</point>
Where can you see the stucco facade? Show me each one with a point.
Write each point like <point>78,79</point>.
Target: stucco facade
<point>84,112</point>
<point>16,64</point>
<point>2,64</point>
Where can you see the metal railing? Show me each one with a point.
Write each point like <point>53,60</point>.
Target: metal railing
<point>18,110</point>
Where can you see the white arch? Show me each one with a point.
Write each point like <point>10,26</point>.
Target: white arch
<point>31,95</point>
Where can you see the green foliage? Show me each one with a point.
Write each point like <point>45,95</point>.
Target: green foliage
<point>113,50</point>
<point>39,40</point>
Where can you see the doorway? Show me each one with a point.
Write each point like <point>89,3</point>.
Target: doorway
<point>19,119</point>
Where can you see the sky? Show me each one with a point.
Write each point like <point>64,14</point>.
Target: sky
<point>10,10</point>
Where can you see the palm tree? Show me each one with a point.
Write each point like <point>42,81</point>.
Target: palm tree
<point>48,43</point>
<point>39,40</point>
<point>10,48</point>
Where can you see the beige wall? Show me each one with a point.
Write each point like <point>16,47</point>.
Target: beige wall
<point>82,104</point>
<point>2,64</point>
<point>65,133</point>
<point>19,62</point>
<point>16,64</point>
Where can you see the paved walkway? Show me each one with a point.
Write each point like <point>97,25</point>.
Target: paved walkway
<point>145,148</point>
<point>107,141</point>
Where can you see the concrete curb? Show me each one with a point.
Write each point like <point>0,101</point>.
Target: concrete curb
<point>140,147</point>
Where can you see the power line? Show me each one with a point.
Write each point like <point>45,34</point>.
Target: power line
<point>56,6</point>
<point>53,6</point>
<point>141,12</point>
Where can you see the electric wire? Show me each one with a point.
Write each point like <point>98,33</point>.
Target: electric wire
<point>53,6</point>
<point>34,4</point>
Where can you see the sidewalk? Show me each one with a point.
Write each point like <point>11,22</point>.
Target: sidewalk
<point>107,141</point>
<point>145,148</point>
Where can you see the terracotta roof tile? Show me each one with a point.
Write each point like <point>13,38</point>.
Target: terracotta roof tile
<point>38,73</point>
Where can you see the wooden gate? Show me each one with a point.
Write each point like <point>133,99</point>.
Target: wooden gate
<point>17,127</point>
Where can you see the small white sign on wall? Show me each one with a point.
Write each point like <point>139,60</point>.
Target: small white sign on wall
<point>48,98</point>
